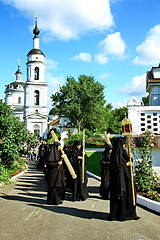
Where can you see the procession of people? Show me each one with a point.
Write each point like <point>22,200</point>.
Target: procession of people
<point>116,177</point>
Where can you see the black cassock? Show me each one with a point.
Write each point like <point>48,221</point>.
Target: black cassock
<point>121,200</point>
<point>55,176</point>
<point>41,156</point>
<point>105,173</point>
<point>79,189</point>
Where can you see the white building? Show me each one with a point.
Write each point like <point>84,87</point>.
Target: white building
<point>28,100</point>
<point>14,95</point>
<point>147,117</point>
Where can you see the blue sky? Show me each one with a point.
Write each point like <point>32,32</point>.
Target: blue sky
<point>116,41</point>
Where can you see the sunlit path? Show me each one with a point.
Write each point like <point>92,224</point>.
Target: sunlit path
<point>25,214</point>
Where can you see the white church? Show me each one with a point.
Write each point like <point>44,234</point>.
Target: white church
<point>147,117</point>
<point>28,100</point>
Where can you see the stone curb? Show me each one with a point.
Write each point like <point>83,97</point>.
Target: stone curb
<point>142,201</point>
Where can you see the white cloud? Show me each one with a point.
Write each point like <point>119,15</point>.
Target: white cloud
<point>104,76</point>
<point>119,105</point>
<point>67,19</point>
<point>53,84</point>
<point>113,45</point>
<point>86,57</point>
<point>137,87</point>
<point>101,58</point>
<point>50,64</point>
<point>149,50</point>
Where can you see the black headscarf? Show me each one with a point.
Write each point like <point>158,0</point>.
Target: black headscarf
<point>117,151</point>
<point>77,143</point>
<point>118,167</point>
<point>75,151</point>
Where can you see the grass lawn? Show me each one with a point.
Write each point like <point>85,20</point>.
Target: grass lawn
<point>93,164</point>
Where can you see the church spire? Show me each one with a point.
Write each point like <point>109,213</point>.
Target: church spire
<point>36,32</point>
<point>18,73</point>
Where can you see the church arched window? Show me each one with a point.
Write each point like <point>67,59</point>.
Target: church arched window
<point>36,97</point>
<point>36,73</point>
<point>19,99</point>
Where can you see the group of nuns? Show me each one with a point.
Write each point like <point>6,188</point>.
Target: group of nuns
<point>115,178</point>
<point>57,174</point>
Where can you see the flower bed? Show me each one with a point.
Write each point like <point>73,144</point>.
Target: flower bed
<point>17,172</point>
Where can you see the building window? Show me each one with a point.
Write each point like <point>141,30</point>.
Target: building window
<point>154,114</point>
<point>148,116</point>
<point>19,100</point>
<point>155,129</point>
<point>149,127</point>
<point>149,121</point>
<point>36,97</point>
<point>36,129</point>
<point>154,119</point>
<point>154,124</point>
<point>36,73</point>
<point>142,129</point>
<point>142,119</point>
<point>143,124</point>
<point>142,114</point>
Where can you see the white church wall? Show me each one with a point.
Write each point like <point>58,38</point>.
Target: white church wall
<point>143,118</point>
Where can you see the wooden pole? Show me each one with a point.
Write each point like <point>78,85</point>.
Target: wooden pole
<point>131,171</point>
<point>65,158</point>
<point>83,155</point>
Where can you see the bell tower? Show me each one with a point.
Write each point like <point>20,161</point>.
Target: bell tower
<point>35,95</point>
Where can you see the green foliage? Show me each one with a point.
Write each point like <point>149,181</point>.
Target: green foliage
<point>145,100</point>
<point>115,119</point>
<point>82,102</point>
<point>72,138</point>
<point>4,174</point>
<point>145,176</point>
<point>14,134</point>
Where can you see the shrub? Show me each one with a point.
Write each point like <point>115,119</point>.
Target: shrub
<point>145,177</point>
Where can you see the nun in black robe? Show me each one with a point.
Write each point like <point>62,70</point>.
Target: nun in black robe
<point>79,189</point>
<point>55,175</point>
<point>41,155</point>
<point>105,172</point>
<point>121,201</point>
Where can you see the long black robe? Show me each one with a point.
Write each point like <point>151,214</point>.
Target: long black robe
<point>55,176</point>
<point>79,189</point>
<point>41,156</point>
<point>121,200</point>
<point>105,173</point>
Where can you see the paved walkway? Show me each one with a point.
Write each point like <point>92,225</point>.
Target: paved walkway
<point>25,215</point>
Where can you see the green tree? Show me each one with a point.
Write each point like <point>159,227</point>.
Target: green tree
<point>145,100</point>
<point>115,118</point>
<point>13,133</point>
<point>145,176</point>
<point>82,102</point>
